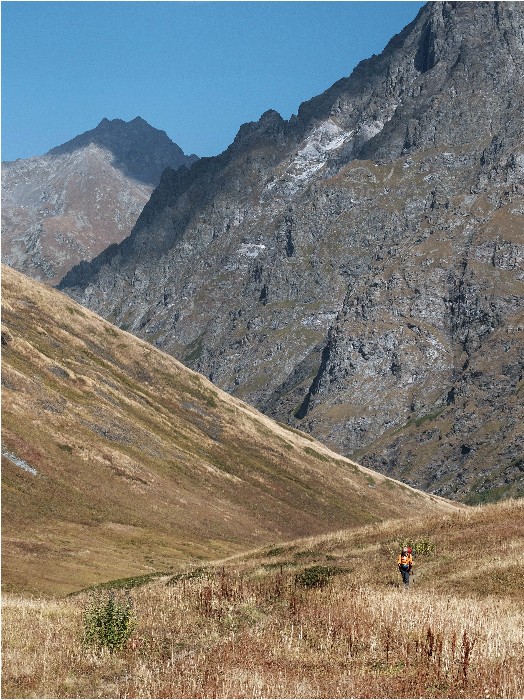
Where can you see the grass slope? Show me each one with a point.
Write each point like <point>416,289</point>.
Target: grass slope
<point>118,461</point>
<point>252,627</point>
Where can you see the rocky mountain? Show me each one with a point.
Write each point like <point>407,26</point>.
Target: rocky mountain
<point>71,203</point>
<point>357,270</point>
<point>138,150</point>
<point>118,461</point>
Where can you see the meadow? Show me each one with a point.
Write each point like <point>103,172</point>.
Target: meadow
<point>135,464</point>
<point>320,617</point>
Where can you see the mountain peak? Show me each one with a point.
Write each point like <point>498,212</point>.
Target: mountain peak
<point>139,120</point>
<point>342,270</point>
<point>119,124</point>
<point>449,55</point>
<point>83,196</point>
<point>140,150</point>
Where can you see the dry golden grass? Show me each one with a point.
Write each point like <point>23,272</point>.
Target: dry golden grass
<point>244,628</point>
<point>142,464</point>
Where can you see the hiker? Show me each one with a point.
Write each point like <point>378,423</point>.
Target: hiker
<point>405,564</point>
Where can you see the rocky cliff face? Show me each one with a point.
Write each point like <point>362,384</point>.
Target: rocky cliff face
<point>71,203</point>
<point>358,270</point>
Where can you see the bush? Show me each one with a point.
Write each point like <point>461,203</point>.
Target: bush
<point>109,621</point>
<point>314,577</point>
<point>189,575</point>
<point>422,546</point>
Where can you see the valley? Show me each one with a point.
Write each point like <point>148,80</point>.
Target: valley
<point>233,388</point>
<point>119,461</point>
<point>256,562</point>
<point>356,270</point>
<point>321,617</point>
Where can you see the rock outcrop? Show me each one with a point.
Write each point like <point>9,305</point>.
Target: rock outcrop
<point>357,271</point>
<point>71,203</point>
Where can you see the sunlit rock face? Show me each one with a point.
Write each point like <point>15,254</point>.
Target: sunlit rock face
<point>71,203</point>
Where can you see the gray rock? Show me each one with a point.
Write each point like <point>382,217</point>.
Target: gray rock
<point>71,203</point>
<point>356,271</point>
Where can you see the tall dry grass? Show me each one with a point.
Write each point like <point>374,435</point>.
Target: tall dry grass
<point>247,627</point>
<point>228,634</point>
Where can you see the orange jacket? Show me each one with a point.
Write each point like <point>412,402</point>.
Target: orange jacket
<point>404,559</point>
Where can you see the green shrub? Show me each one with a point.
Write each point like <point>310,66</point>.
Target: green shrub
<point>423,546</point>
<point>275,552</point>
<point>314,576</point>
<point>130,581</point>
<point>189,575</point>
<point>109,621</point>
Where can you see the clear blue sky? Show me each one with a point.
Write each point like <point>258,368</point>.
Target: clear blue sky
<point>197,70</point>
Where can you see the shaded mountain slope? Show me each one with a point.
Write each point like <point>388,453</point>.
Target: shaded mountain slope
<point>117,460</point>
<point>349,271</point>
<point>427,351</point>
<point>139,150</point>
<point>71,203</point>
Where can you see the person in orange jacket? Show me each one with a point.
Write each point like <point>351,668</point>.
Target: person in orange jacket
<point>405,564</point>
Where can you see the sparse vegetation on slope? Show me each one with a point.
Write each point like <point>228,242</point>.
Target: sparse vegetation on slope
<point>356,270</point>
<point>246,627</point>
<point>135,464</point>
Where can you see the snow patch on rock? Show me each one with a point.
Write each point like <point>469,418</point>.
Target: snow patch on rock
<point>251,250</point>
<point>312,156</point>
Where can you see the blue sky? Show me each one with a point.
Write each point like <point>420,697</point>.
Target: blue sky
<point>197,70</point>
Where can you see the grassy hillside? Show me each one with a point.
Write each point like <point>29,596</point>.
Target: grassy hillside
<point>257,626</point>
<point>118,461</point>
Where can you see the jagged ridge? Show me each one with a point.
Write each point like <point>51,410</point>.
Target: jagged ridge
<point>346,269</point>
